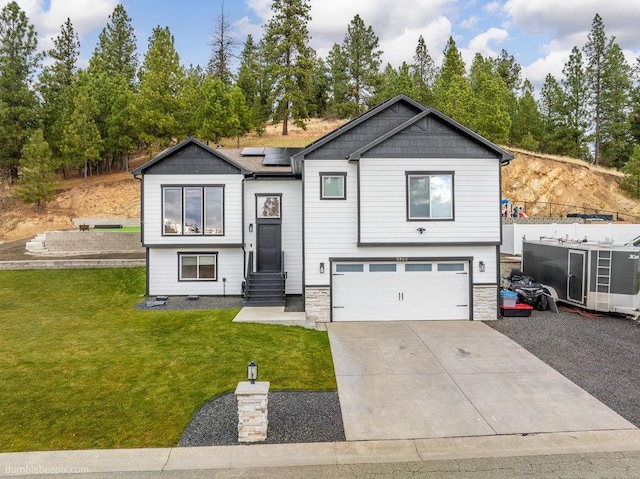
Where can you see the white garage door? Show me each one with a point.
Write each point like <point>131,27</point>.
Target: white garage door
<point>376,291</point>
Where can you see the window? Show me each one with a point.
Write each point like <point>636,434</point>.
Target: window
<point>450,266</point>
<point>268,206</point>
<point>332,186</point>
<point>193,210</point>
<point>379,268</point>
<point>198,267</point>
<point>409,267</point>
<point>429,196</point>
<point>349,268</point>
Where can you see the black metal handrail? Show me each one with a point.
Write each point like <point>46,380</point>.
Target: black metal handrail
<point>249,265</point>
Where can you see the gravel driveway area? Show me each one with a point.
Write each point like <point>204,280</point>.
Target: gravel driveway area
<point>601,355</point>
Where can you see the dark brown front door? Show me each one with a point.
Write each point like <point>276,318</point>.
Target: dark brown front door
<point>269,247</point>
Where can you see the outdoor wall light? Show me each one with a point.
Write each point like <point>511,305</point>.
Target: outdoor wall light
<point>482,266</point>
<point>421,230</point>
<point>252,372</point>
<point>321,268</point>
<point>250,227</point>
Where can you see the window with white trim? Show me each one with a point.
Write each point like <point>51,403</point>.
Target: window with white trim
<point>429,196</point>
<point>333,186</point>
<point>197,266</point>
<point>193,210</point>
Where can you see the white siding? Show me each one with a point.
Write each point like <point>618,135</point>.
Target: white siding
<point>331,226</point>
<point>152,220</point>
<point>163,273</point>
<point>291,215</point>
<point>383,201</point>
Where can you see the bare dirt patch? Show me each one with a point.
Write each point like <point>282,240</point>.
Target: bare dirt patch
<point>529,177</point>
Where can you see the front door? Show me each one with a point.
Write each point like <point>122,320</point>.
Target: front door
<point>269,247</point>
<point>575,276</point>
<point>269,234</point>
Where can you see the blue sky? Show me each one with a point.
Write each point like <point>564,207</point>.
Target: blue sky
<point>539,33</point>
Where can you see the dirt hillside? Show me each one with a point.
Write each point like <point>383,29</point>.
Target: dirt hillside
<point>528,178</point>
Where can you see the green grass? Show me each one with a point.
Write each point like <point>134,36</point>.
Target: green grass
<point>130,229</point>
<point>81,368</point>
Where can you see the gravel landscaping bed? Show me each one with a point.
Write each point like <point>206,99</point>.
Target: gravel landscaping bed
<point>294,303</point>
<point>294,417</point>
<point>601,355</point>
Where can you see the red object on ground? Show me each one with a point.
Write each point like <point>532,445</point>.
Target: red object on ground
<point>519,310</point>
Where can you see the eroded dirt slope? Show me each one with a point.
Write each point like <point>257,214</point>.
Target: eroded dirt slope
<point>529,177</point>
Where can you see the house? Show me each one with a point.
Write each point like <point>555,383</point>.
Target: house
<point>393,216</point>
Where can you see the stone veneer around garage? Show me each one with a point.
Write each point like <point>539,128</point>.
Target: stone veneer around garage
<point>485,303</point>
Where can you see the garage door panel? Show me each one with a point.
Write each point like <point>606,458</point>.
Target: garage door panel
<point>414,291</point>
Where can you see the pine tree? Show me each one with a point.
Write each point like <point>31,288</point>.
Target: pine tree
<point>394,82</point>
<point>157,105</point>
<point>574,109</point>
<point>631,181</point>
<point>595,52</point>
<point>18,102</point>
<point>339,103</point>
<point>223,46</point>
<point>451,89</point>
<point>490,102</point>
<point>551,108</point>
<point>253,82</point>
<point>362,59</point>
<point>616,140</point>
<point>289,61</point>
<point>56,85</point>
<point>424,71</point>
<point>116,53</point>
<point>37,177</point>
<point>81,142</point>
<point>526,127</point>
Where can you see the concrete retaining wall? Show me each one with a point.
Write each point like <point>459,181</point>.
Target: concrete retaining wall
<point>72,263</point>
<point>78,242</point>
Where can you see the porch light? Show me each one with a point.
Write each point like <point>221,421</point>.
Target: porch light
<point>250,227</point>
<point>252,372</point>
<point>321,268</point>
<point>482,266</point>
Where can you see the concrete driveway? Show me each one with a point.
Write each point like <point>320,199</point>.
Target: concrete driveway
<point>417,379</point>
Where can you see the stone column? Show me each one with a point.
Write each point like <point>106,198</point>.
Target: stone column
<point>252,411</point>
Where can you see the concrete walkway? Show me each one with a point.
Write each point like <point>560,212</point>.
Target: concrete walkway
<point>273,315</point>
<point>409,380</point>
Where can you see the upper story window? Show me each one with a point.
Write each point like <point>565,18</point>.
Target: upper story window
<point>333,186</point>
<point>429,196</point>
<point>193,210</point>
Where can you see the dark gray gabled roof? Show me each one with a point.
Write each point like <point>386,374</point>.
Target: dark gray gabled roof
<point>431,134</point>
<point>191,156</point>
<point>361,130</point>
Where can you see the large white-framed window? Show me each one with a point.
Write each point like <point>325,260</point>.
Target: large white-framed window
<point>193,210</point>
<point>333,186</point>
<point>429,196</point>
<point>197,266</point>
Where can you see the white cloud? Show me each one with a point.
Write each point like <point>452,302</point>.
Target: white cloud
<point>402,48</point>
<point>482,44</point>
<point>469,22</point>
<point>85,15</point>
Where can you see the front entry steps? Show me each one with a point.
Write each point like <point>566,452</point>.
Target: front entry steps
<point>264,289</point>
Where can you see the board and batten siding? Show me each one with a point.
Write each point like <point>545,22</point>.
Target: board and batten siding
<point>153,221</point>
<point>331,227</point>
<point>291,216</point>
<point>163,273</point>
<point>383,201</point>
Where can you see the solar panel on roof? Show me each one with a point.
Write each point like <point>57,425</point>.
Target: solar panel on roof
<point>279,156</point>
<point>252,151</point>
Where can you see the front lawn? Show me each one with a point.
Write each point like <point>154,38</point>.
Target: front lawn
<point>80,367</point>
